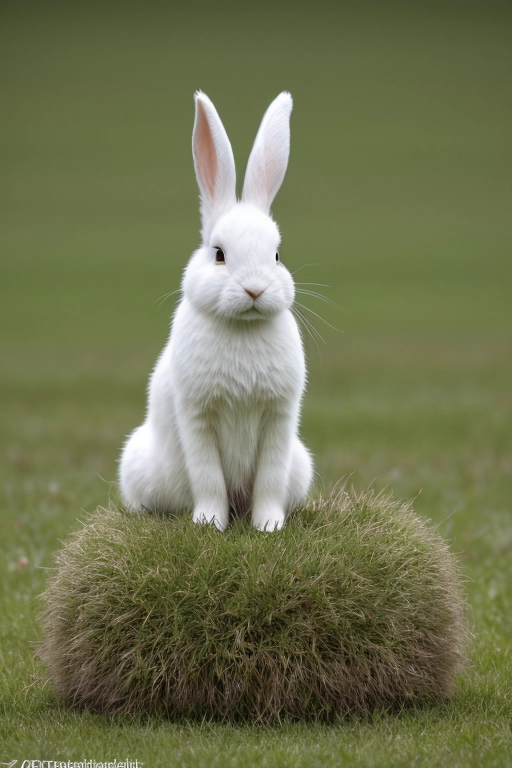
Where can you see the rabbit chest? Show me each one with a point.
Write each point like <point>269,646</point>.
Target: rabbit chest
<point>235,376</point>
<point>241,365</point>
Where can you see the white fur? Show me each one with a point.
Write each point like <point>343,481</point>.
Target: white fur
<point>224,398</point>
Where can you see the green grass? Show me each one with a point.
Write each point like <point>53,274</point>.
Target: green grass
<point>355,607</point>
<point>398,195</point>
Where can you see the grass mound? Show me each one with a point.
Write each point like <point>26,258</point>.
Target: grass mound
<point>356,604</point>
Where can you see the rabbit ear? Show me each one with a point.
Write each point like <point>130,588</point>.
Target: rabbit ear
<point>213,161</point>
<point>269,156</point>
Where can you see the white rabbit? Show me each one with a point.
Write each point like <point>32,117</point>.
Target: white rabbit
<point>224,397</point>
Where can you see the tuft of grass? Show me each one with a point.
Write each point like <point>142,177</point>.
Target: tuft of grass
<point>354,606</point>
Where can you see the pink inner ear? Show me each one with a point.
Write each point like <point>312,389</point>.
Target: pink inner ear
<point>206,155</point>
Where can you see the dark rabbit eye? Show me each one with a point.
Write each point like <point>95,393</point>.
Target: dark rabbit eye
<point>277,255</point>
<point>220,256</point>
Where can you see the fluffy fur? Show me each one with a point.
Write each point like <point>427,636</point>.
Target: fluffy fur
<point>224,398</point>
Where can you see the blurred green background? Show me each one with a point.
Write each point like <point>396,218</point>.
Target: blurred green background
<point>397,197</point>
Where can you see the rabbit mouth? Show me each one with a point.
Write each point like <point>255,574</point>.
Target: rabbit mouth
<point>257,313</point>
<point>255,310</point>
<point>253,313</point>
<point>262,310</point>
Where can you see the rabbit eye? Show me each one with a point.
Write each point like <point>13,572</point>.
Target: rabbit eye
<point>277,255</point>
<point>220,256</point>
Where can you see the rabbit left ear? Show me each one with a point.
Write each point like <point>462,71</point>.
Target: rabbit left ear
<point>269,157</point>
<point>213,162</point>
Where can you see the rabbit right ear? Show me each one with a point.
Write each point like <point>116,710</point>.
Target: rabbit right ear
<point>269,155</point>
<point>213,162</point>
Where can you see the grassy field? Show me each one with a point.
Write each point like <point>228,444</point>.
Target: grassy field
<point>398,198</point>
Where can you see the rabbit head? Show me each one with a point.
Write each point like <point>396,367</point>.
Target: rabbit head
<point>237,272</point>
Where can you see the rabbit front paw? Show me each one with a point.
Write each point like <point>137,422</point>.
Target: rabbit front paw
<point>204,515</point>
<point>269,519</point>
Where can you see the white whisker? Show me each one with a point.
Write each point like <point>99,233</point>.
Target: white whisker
<point>314,332</point>
<point>321,285</point>
<point>308,328</point>
<point>161,300</point>
<point>304,265</point>
<point>319,317</point>
<point>316,295</point>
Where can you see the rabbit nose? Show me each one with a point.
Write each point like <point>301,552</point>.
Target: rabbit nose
<point>254,293</point>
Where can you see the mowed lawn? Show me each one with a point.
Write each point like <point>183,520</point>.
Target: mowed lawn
<point>396,207</point>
